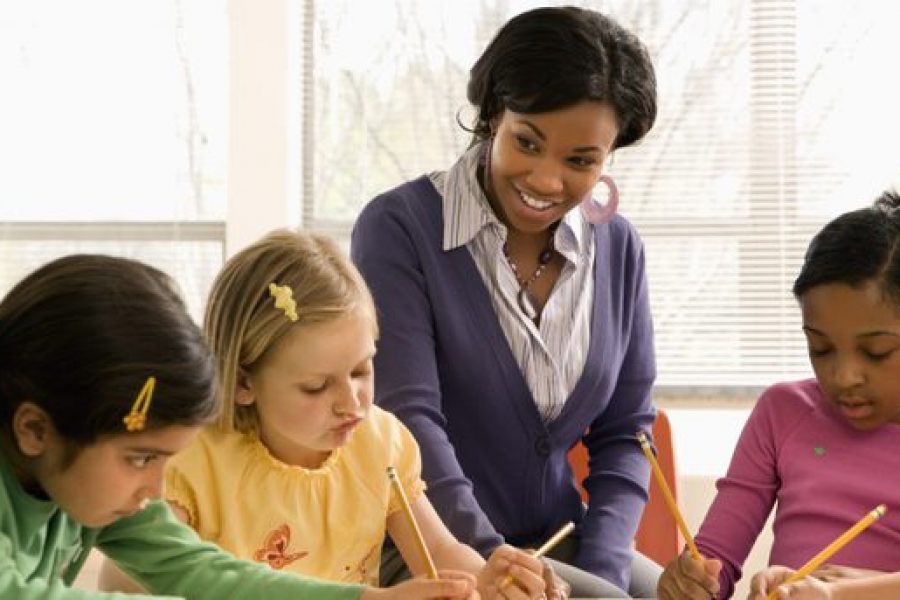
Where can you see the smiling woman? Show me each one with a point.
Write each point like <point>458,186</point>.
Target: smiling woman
<point>540,166</point>
<point>515,324</point>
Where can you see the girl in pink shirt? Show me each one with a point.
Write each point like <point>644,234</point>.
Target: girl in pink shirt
<point>817,450</point>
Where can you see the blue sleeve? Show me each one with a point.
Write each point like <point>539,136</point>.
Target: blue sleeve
<point>384,248</point>
<point>619,473</point>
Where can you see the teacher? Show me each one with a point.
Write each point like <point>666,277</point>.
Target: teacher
<point>513,306</point>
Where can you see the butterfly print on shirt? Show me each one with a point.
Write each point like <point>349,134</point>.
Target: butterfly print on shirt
<point>274,551</point>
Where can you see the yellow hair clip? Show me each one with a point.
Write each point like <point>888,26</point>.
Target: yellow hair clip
<point>137,418</point>
<point>284,299</point>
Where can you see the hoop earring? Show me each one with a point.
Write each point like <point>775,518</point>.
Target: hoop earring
<point>597,213</point>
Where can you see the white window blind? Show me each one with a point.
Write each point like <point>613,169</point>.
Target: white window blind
<point>774,117</point>
<point>113,126</point>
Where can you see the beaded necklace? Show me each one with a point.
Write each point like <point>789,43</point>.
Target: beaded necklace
<point>526,300</point>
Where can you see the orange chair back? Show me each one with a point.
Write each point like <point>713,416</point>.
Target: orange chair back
<point>657,535</point>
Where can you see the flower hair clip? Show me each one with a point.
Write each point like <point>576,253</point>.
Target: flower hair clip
<point>284,299</point>
<point>136,420</point>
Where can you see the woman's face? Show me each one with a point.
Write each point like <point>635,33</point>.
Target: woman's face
<point>544,164</point>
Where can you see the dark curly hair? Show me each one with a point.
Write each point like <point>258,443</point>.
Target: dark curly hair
<point>80,336</point>
<point>551,58</point>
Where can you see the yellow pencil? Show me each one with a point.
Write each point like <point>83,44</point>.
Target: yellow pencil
<point>392,475</point>
<point>667,494</point>
<point>546,547</point>
<point>844,539</point>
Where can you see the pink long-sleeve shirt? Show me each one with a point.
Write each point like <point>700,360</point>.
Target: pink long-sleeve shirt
<point>797,450</point>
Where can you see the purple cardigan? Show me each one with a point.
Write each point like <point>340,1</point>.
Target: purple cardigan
<point>444,367</point>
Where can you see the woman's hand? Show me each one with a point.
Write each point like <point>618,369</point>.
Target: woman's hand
<point>452,585</point>
<point>686,578</point>
<point>512,574</point>
<point>808,588</point>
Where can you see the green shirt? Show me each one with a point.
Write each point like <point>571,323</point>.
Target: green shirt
<point>42,550</point>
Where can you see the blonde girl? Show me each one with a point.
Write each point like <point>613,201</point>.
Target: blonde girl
<point>293,475</point>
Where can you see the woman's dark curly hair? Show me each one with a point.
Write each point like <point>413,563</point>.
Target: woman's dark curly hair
<point>551,58</point>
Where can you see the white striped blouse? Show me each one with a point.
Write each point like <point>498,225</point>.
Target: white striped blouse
<point>551,356</point>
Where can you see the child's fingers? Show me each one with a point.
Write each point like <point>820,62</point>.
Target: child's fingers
<point>451,584</point>
<point>784,592</point>
<point>807,588</point>
<point>697,579</point>
<point>674,584</point>
<point>757,587</point>
<point>766,580</point>
<point>831,572</point>
<point>687,579</point>
<point>457,576</point>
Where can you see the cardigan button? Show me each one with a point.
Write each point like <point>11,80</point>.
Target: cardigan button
<point>542,446</point>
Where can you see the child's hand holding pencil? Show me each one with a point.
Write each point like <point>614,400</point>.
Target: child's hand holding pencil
<point>774,577</point>
<point>774,581</point>
<point>690,576</point>
<point>687,578</point>
<point>449,585</point>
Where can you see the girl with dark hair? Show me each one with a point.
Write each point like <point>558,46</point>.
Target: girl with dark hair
<point>820,447</point>
<point>514,324</point>
<point>103,377</point>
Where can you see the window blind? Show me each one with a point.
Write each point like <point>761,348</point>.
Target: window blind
<point>114,136</point>
<point>774,117</point>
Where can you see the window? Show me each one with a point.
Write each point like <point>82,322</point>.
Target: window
<point>114,135</point>
<point>770,124</point>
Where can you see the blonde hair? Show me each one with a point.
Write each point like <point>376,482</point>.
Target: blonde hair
<point>242,323</point>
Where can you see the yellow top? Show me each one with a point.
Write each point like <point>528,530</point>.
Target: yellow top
<point>327,522</point>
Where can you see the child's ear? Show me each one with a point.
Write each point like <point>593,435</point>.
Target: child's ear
<point>243,389</point>
<point>31,427</point>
